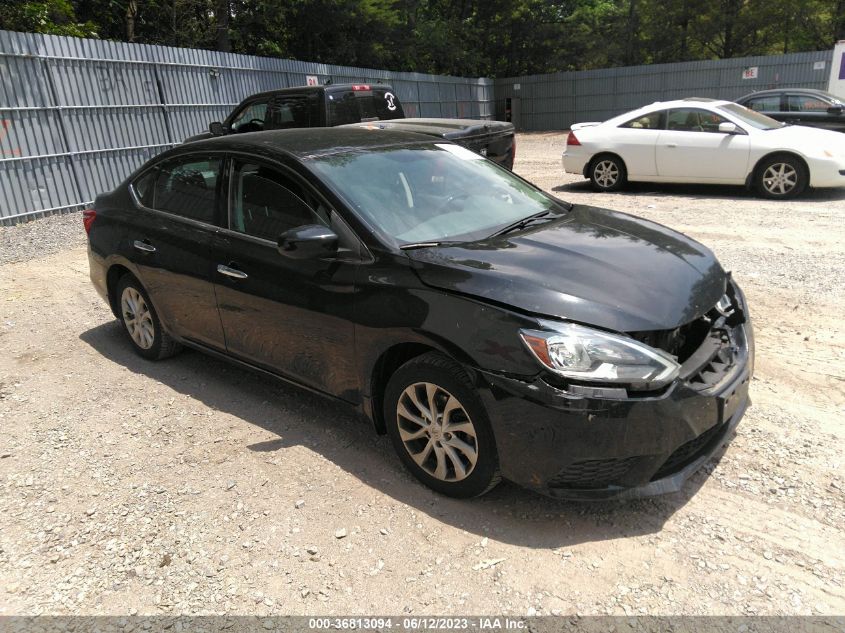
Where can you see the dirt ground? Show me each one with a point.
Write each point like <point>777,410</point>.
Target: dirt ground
<point>190,486</point>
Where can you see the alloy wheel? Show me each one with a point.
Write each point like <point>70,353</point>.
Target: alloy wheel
<point>137,317</point>
<point>780,178</point>
<point>606,173</point>
<point>437,431</point>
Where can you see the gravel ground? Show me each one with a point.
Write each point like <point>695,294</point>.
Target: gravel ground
<point>190,486</point>
<point>40,238</point>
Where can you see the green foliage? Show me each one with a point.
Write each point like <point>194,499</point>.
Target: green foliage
<point>53,17</point>
<point>458,37</point>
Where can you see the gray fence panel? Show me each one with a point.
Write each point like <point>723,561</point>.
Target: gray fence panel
<point>27,133</point>
<point>37,185</point>
<point>77,116</point>
<point>601,94</point>
<point>23,82</point>
<point>110,128</point>
<point>106,170</point>
<point>188,120</point>
<point>85,82</point>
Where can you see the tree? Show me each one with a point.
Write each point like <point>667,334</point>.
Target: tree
<point>54,17</point>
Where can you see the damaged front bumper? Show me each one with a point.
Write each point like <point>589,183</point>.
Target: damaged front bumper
<point>572,446</point>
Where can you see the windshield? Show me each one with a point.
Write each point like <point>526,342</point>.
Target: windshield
<point>750,117</point>
<point>431,193</point>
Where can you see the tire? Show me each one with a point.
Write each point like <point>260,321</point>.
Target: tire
<point>441,451</point>
<point>781,177</point>
<point>141,323</point>
<point>607,173</point>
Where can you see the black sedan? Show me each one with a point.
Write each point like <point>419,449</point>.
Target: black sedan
<point>490,329</point>
<point>799,106</point>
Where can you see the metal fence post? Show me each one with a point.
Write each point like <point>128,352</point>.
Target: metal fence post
<point>59,109</point>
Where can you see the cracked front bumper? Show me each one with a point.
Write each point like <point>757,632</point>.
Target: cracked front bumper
<point>574,447</point>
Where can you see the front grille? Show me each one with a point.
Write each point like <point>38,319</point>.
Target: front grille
<point>689,452</point>
<point>707,348</point>
<point>593,473</point>
<point>714,370</point>
<point>680,342</point>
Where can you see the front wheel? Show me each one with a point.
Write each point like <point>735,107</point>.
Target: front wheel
<point>781,177</point>
<point>439,427</point>
<point>607,173</point>
<point>141,323</point>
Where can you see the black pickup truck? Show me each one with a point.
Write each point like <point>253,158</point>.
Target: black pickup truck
<point>360,104</point>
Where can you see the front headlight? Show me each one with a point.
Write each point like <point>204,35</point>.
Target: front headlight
<point>582,353</point>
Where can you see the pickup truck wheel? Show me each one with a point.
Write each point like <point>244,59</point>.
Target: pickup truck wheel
<point>607,173</point>
<point>141,323</point>
<point>439,427</point>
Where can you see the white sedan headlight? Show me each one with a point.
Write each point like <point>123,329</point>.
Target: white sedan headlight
<point>582,353</point>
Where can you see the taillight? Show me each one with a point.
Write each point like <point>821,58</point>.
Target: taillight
<point>357,87</point>
<point>88,217</point>
<point>572,139</point>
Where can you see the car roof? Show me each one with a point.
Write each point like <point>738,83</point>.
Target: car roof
<point>779,91</point>
<point>689,102</point>
<point>309,142</point>
<point>312,89</point>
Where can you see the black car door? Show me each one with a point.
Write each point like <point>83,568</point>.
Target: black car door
<point>293,317</point>
<point>169,242</point>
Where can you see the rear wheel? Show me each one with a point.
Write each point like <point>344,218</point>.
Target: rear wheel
<point>781,177</point>
<point>141,322</point>
<point>439,427</point>
<point>607,173</point>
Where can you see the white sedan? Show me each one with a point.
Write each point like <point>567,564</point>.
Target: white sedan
<point>705,141</point>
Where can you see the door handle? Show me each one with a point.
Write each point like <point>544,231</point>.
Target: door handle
<point>671,145</point>
<point>146,247</point>
<point>231,272</point>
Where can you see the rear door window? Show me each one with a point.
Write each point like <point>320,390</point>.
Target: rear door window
<point>292,111</point>
<point>769,103</point>
<point>651,121</point>
<point>185,186</point>
<point>366,103</point>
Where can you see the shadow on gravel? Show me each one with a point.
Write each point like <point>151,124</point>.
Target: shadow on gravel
<point>700,191</point>
<point>335,431</point>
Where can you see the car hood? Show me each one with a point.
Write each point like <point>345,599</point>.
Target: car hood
<point>595,266</point>
<point>452,129</point>
<point>806,136</point>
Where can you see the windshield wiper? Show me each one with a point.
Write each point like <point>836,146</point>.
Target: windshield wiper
<point>413,245</point>
<point>521,224</point>
<point>432,244</point>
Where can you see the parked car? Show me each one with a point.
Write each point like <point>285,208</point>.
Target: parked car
<point>369,105</point>
<point>813,108</point>
<point>705,141</point>
<point>487,327</point>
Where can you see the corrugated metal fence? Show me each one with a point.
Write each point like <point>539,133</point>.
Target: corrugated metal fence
<point>77,116</point>
<point>555,101</point>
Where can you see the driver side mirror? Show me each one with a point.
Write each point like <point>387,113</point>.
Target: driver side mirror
<point>308,242</point>
<point>728,128</point>
<point>216,128</point>
<point>835,110</point>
